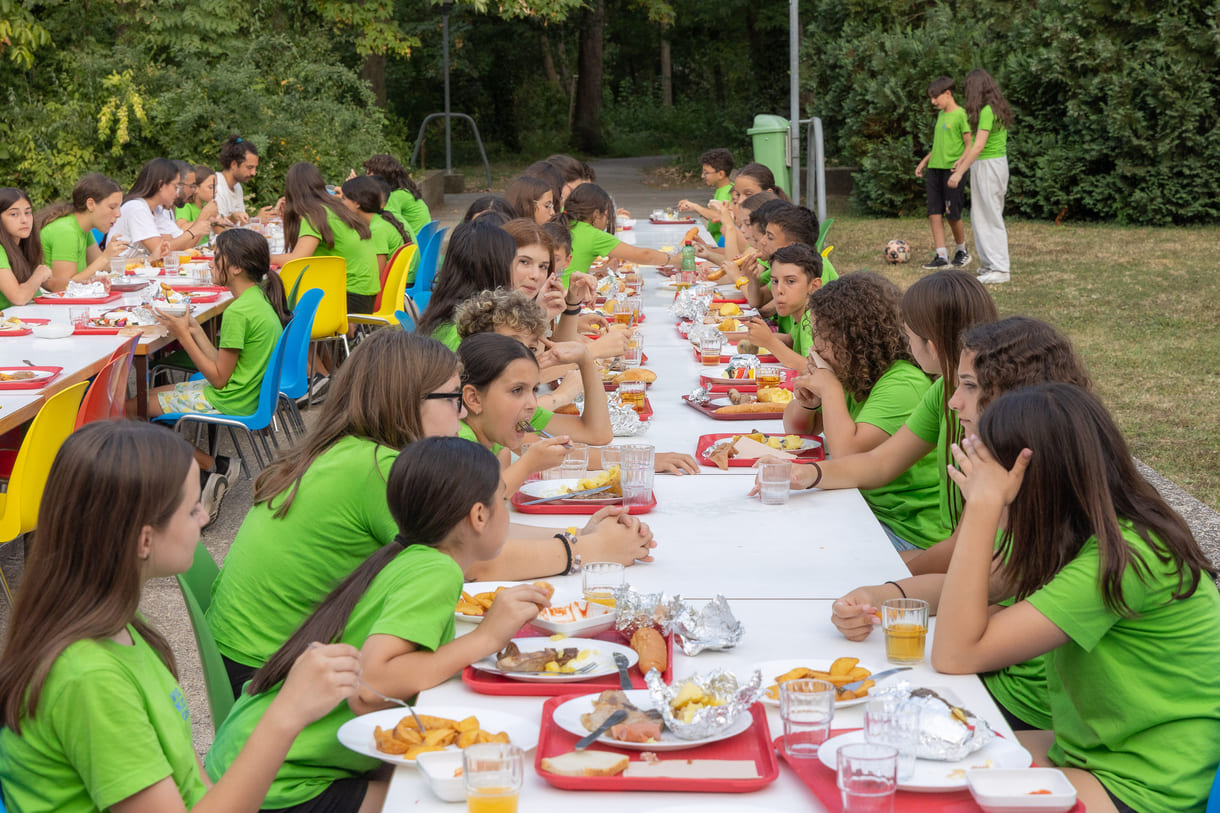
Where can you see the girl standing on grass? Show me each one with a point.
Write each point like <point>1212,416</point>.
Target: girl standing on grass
<point>67,228</point>
<point>363,196</point>
<point>589,213</point>
<point>990,117</point>
<point>94,718</point>
<point>22,270</point>
<point>1109,583</point>
<point>451,511</point>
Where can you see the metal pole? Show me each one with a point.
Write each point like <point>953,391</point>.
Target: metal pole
<point>794,95</point>
<point>445,9</point>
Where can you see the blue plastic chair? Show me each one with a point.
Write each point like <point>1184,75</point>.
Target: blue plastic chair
<point>404,319</point>
<point>254,425</point>
<point>1213,800</point>
<point>294,377</point>
<point>425,234</point>
<point>420,292</point>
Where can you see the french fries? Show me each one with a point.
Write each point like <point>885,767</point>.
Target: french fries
<point>840,673</point>
<point>439,733</point>
<point>479,603</point>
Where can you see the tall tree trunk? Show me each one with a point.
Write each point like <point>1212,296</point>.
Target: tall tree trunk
<point>548,62</point>
<point>373,72</point>
<point>587,125</point>
<point>667,74</point>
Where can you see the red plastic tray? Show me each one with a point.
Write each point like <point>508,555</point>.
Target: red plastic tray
<point>725,358</point>
<point>24,331</point>
<point>78,330</point>
<point>744,384</point>
<point>35,383</point>
<point>56,299</point>
<point>684,222</point>
<point>200,296</point>
<point>706,441</point>
<point>736,297</point>
<point>191,287</point>
<point>644,413</point>
<point>710,411</point>
<point>487,683</point>
<point>560,508</point>
<point>753,743</point>
<point>821,780</point>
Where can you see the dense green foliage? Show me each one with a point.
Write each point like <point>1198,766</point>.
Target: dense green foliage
<point>1116,103</point>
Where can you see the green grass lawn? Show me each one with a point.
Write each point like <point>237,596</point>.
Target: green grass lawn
<point>1141,304</point>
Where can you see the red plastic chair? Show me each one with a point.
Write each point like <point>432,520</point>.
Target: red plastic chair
<point>119,396</point>
<point>98,403</point>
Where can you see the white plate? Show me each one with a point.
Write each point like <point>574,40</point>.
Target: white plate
<point>602,653</point>
<point>770,669</point>
<point>38,375</point>
<point>599,619</point>
<point>474,588</point>
<point>932,776</point>
<point>567,717</point>
<point>539,489</point>
<point>357,734</point>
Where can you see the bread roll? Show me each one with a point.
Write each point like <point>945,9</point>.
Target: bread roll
<point>586,763</point>
<point>758,408</point>
<point>637,374</point>
<point>650,646</point>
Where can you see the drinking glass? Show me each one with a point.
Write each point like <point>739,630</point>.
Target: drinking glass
<point>79,317</point>
<point>633,356</point>
<point>905,621</point>
<point>632,394</point>
<point>611,456</point>
<point>118,266</point>
<point>769,376</point>
<point>576,462</point>
<point>710,345</point>
<point>807,708</point>
<point>171,262</point>
<point>637,473</point>
<point>867,777</point>
<point>890,720</point>
<point>774,480</point>
<point>635,305</point>
<point>493,772</point>
<point>599,580</point>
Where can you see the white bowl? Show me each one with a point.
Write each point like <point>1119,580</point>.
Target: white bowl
<point>600,618</point>
<point>171,309</point>
<point>1000,790</point>
<point>438,768</point>
<point>52,330</point>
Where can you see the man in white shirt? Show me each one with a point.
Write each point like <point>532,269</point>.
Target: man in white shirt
<point>238,164</point>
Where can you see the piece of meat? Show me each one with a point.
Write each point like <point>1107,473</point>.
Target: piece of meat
<point>512,659</point>
<point>642,731</point>
<point>611,701</point>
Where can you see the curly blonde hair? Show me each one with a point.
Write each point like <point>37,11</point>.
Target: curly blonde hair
<point>487,311</point>
<point>858,314</point>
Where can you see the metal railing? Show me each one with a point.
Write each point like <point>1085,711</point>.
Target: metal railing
<point>420,139</point>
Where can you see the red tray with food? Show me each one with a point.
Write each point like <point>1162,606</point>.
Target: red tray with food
<point>27,378</point>
<point>685,221</point>
<point>488,683</point>
<point>97,330</point>
<point>59,299</point>
<point>759,413</point>
<point>737,297</point>
<point>192,287</point>
<point>644,413</point>
<point>714,377</point>
<point>697,769</point>
<point>24,331</point>
<point>811,449</point>
<point>822,781</point>
<point>611,386</point>
<point>725,358</point>
<point>559,507</point>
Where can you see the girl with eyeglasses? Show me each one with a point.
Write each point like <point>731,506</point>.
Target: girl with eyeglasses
<point>532,199</point>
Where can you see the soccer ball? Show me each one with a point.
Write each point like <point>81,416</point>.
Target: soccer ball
<point>897,251</point>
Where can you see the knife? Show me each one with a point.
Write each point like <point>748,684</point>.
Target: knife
<point>568,496</point>
<point>620,660</point>
<point>857,684</point>
<point>611,721</point>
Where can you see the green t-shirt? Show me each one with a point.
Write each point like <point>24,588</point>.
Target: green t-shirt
<point>278,570</point>
<point>386,238</point>
<point>907,504</point>
<point>111,722</point>
<point>251,327</point>
<point>410,210</point>
<point>4,263</point>
<point>947,143</point>
<point>764,276</point>
<point>412,598</point>
<point>997,137</point>
<point>1135,701</point>
<point>1021,689</point>
<point>190,213</point>
<point>447,334</point>
<point>539,420</point>
<point>63,240</point>
<point>588,243</point>
<point>362,276</point>
<point>721,193</point>
<point>930,424</point>
<point>801,332</point>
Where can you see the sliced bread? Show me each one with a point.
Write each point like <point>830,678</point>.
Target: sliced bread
<point>586,763</point>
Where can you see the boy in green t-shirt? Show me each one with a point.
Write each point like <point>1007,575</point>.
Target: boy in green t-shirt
<point>717,167</point>
<point>951,139</point>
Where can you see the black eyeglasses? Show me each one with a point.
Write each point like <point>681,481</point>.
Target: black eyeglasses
<point>455,396</point>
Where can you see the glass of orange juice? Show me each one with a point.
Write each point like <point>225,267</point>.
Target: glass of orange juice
<point>905,621</point>
<point>493,772</point>
<point>633,394</point>
<point>769,377</point>
<point>600,580</point>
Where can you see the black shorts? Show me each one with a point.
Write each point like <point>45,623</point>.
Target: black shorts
<point>367,303</point>
<point>941,199</point>
<point>341,796</point>
<point>1119,804</point>
<point>238,673</point>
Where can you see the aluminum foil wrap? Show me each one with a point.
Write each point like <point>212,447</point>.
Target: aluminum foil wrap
<point>636,610</point>
<point>946,732</point>
<point>684,306</point>
<point>746,361</point>
<point>734,697</point>
<point>713,627</point>
<point>699,395</point>
<point>624,421</point>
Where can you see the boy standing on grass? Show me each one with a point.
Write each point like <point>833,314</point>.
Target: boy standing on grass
<point>717,167</point>
<point>951,140</point>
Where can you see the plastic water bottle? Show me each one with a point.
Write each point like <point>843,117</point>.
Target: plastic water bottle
<point>688,259</point>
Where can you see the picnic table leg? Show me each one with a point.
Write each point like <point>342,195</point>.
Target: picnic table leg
<point>141,364</point>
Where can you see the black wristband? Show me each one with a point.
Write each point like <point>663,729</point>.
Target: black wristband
<point>567,548</point>
<point>574,310</point>
<point>899,586</point>
<point>818,479</point>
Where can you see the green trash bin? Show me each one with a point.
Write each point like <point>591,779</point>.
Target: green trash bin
<point>772,147</point>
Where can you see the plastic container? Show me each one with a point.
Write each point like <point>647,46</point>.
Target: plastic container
<point>772,147</point>
<point>1021,791</point>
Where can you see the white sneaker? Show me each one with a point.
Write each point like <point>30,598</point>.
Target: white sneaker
<point>213,492</point>
<point>993,277</point>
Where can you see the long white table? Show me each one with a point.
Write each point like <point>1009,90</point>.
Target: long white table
<point>780,567</point>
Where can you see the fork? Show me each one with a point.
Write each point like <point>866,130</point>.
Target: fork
<point>525,426</point>
<point>389,699</point>
<point>588,667</point>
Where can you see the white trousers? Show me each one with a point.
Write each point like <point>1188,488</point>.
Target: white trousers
<point>988,186</point>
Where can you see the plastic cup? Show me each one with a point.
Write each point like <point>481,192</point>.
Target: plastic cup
<point>807,708</point>
<point>710,346</point>
<point>769,376</point>
<point>905,621</point>
<point>894,721</point>
<point>78,316</point>
<point>118,266</point>
<point>575,462</point>
<point>633,356</point>
<point>636,473</point>
<point>611,456</point>
<point>774,480</point>
<point>171,262</point>
<point>493,772</point>
<point>867,777</point>
<point>632,394</point>
<point>599,580</point>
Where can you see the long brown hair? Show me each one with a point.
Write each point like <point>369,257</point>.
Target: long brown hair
<point>389,167</point>
<point>479,258</point>
<point>383,383</point>
<point>587,200</point>
<point>306,198</point>
<point>523,194</point>
<point>1080,482</point>
<point>940,308</point>
<point>23,255</point>
<point>1020,352</point>
<point>248,250</point>
<point>433,484</point>
<point>95,186</point>
<point>858,315</point>
<point>982,90</point>
<point>109,480</point>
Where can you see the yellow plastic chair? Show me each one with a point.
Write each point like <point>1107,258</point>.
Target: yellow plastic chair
<point>329,275</point>
<point>393,294</point>
<point>48,431</point>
